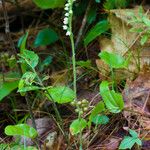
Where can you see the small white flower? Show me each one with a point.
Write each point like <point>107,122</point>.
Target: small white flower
<point>65,27</point>
<point>67,5</point>
<point>67,14</point>
<point>65,22</point>
<point>66,19</point>
<point>68,33</point>
<point>66,8</point>
<point>70,11</point>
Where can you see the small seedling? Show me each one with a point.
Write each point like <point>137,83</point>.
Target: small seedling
<point>129,141</point>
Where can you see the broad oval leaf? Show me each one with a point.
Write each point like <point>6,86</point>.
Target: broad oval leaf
<point>100,107</point>
<point>46,4</point>
<point>127,142</point>
<point>22,130</point>
<point>77,126</point>
<point>29,77</point>
<point>97,30</point>
<point>7,87</point>
<point>45,37</point>
<point>113,60</point>
<point>61,94</point>
<point>29,57</point>
<point>104,87</point>
<point>100,119</point>
<point>113,101</point>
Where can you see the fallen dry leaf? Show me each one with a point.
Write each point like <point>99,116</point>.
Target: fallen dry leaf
<point>137,102</point>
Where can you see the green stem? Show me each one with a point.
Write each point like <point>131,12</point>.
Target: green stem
<point>80,135</point>
<point>73,53</point>
<point>58,116</point>
<point>59,119</point>
<point>113,77</point>
<point>74,67</point>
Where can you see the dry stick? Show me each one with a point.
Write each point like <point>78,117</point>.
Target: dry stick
<point>20,14</point>
<point>7,30</point>
<point>79,36</point>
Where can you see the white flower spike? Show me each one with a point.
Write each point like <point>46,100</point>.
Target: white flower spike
<point>68,17</point>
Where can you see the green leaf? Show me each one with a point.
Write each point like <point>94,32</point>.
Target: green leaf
<point>22,42</point>
<point>28,88</point>
<point>30,57</point>
<point>104,87</point>
<point>112,4</point>
<point>22,45</point>
<point>133,133</point>
<point>22,130</point>
<point>100,107</point>
<point>7,87</point>
<point>97,1</point>
<point>77,126</point>
<point>46,37</point>
<point>138,142</point>
<point>46,62</point>
<point>25,83</point>
<point>127,142</point>
<point>29,77</point>
<point>100,119</point>
<point>144,39</point>
<point>97,30</point>
<point>84,64</point>
<point>61,94</point>
<point>146,20</point>
<point>113,60</point>
<point>91,17</point>
<point>46,4</point>
<point>3,146</point>
<point>113,101</point>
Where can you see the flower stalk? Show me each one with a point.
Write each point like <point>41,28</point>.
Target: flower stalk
<point>68,27</point>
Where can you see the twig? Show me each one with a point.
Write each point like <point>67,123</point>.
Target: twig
<point>79,36</point>
<point>21,17</point>
<point>30,111</point>
<point>7,31</point>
